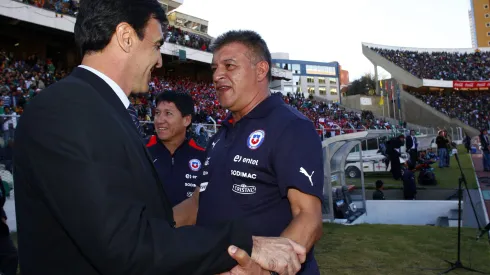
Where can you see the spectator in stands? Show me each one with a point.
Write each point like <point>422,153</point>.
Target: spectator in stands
<point>485,146</point>
<point>9,124</point>
<point>378,194</point>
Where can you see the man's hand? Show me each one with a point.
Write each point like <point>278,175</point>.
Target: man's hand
<point>246,266</point>
<point>278,254</point>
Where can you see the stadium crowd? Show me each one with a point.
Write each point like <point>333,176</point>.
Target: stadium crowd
<point>60,7</point>
<point>173,35</point>
<point>21,80</point>
<point>441,65</point>
<point>471,108</point>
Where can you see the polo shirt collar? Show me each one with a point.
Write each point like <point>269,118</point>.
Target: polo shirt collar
<point>261,110</point>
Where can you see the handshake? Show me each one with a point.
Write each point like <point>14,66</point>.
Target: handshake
<point>269,256</point>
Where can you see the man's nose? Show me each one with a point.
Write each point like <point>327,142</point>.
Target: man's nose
<point>218,74</point>
<point>159,62</point>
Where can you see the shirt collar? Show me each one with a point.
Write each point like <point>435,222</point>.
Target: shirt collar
<point>116,88</point>
<point>261,110</point>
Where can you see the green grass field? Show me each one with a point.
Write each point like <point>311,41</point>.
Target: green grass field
<point>396,250</point>
<point>446,177</point>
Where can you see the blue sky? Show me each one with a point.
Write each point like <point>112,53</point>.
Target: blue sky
<point>327,30</point>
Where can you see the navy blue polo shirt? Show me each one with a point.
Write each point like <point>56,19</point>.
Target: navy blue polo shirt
<point>179,171</point>
<point>250,166</point>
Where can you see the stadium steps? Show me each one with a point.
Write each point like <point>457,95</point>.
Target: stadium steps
<point>451,220</point>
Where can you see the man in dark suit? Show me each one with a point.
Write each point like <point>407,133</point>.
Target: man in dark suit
<point>411,147</point>
<point>88,198</point>
<point>393,151</point>
<point>485,147</point>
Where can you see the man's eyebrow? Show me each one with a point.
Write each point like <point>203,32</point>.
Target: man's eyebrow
<point>224,60</point>
<point>159,42</point>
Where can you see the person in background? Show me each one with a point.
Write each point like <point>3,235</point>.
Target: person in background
<point>485,147</point>
<point>177,159</point>
<point>412,146</point>
<point>467,143</point>
<point>378,194</point>
<point>393,151</point>
<point>409,185</point>
<point>431,155</point>
<point>442,149</point>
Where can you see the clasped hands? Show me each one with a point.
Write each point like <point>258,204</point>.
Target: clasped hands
<point>279,255</point>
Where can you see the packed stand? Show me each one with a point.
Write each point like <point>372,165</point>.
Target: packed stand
<point>333,118</point>
<point>177,36</point>
<point>470,107</point>
<point>20,81</point>
<point>173,35</point>
<point>60,7</point>
<point>441,65</point>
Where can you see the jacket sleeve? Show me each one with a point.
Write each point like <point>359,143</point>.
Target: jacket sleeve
<point>89,198</point>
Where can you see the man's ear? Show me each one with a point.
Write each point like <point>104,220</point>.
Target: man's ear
<point>262,70</point>
<point>187,120</point>
<point>124,36</point>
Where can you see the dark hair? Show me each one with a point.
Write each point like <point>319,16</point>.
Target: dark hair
<point>183,101</point>
<point>251,40</point>
<point>97,20</point>
<point>379,184</point>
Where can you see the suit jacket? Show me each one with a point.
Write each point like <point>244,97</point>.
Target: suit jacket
<point>88,198</point>
<point>409,143</point>
<point>484,144</point>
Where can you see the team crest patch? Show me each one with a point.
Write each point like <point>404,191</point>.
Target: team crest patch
<point>255,139</point>
<point>194,164</point>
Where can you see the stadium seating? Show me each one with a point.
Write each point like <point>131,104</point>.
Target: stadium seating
<point>470,107</point>
<point>173,35</point>
<point>441,65</point>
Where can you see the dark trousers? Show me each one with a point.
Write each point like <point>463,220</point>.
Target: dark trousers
<point>8,256</point>
<point>413,156</point>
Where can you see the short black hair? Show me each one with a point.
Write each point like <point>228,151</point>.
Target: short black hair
<point>97,20</point>
<point>183,101</point>
<point>251,40</point>
<point>379,184</point>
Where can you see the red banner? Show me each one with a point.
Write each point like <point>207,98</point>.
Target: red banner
<point>471,84</point>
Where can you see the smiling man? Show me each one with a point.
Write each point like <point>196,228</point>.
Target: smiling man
<point>264,166</point>
<point>177,159</point>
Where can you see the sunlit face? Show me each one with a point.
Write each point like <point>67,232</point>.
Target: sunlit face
<point>235,76</point>
<point>169,122</point>
<point>147,56</point>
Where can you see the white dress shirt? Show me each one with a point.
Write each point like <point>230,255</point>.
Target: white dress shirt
<point>119,92</point>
